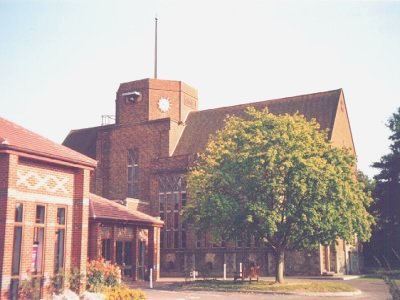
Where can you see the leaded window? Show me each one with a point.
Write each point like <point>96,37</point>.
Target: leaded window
<point>172,198</point>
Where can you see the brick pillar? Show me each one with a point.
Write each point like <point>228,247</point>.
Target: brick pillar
<point>154,251</point>
<point>8,167</point>
<point>94,249</point>
<point>80,221</point>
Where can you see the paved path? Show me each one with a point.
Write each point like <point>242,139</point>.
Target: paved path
<point>371,289</point>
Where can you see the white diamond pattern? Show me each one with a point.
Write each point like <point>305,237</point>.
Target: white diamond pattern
<point>34,181</point>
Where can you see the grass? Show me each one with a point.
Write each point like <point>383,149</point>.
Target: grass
<point>379,274</point>
<point>264,286</point>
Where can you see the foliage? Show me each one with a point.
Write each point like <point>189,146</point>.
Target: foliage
<point>385,240</point>
<point>101,274</point>
<point>390,277</point>
<point>29,288</point>
<point>75,278</point>
<point>279,179</point>
<point>121,292</point>
<point>57,283</point>
<point>72,280</point>
<point>368,185</point>
<point>394,289</point>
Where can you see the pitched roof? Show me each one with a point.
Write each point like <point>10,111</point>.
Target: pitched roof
<point>15,137</point>
<point>83,140</point>
<point>201,124</point>
<point>102,208</point>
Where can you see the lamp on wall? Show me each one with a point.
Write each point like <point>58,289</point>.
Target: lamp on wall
<point>132,97</point>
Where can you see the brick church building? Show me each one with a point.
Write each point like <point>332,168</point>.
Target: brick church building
<point>143,159</point>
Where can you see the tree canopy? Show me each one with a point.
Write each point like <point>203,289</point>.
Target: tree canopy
<point>279,179</point>
<point>385,242</point>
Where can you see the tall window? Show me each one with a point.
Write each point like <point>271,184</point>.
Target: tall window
<point>169,202</point>
<point>133,173</point>
<point>38,240</point>
<point>59,247</point>
<point>183,196</point>
<point>172,198</point>
<point>176,201</point>
<point>59,242</point>
<point>16,255</point>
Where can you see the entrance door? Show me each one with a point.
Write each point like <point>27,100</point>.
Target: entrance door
<point>124,257</point>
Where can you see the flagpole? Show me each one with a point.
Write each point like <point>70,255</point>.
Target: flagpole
<point>155,51</point>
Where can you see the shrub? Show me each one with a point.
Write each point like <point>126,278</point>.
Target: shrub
<point>57,283</point>
<point>101,274</point>
<point>122,292</point>
<point>30,288</point>
<point>60,281</point>
<point>75,279</point>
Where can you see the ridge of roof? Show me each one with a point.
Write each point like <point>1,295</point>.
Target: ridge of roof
<point>92,128</point>
<point>16,137</point>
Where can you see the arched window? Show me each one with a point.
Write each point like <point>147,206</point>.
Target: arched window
<point>133,173</point>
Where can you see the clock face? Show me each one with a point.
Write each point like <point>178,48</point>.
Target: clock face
<point>164,104</point>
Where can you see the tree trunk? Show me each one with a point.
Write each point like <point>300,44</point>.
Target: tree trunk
<point>279,265</point>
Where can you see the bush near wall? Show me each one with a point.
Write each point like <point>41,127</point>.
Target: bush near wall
<point>105,278</point>
<point>101,274</point>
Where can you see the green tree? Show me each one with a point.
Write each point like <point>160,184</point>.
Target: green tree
<point>277,178</point>
<point>385,242</point>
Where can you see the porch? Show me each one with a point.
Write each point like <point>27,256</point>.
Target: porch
<point>125,237</point>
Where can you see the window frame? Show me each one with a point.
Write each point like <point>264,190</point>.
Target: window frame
<point>58,227</point>
<point>20,225</point>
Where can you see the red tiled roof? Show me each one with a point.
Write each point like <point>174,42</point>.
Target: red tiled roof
<point>201,124</point>
<point>102,208</point>
<point>15,137</point>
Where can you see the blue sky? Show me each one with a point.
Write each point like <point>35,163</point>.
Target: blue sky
<point>61,62</point>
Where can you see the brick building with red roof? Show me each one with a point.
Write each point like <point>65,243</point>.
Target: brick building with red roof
<point>46,211</point>
<point>144,157</point>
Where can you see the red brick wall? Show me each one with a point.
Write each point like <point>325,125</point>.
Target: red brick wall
<point>7,178</point>
<point>341,132</point>
<point>31,183</point>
